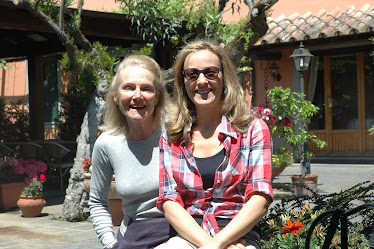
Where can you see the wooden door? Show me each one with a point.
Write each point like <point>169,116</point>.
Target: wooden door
<point>345,106</point>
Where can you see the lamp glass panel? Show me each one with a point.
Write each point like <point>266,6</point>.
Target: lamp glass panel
<point>297,63</point>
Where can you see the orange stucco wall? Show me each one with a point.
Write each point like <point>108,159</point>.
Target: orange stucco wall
<point>259,96</point>
<point>13,81</point>
<point>101,5</point>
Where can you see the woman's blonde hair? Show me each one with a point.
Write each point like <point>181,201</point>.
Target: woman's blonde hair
<point>234,105</point>
<point>114,121</point>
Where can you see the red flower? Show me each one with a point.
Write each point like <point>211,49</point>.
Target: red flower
<point>43,178</point>
<point>86,165</point>
<point>292,227</point>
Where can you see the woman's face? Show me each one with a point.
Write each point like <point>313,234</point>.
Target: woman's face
<point>137,95</point>
<point>205,87</point>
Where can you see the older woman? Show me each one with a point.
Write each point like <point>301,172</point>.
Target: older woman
<point>215,173</point>
<point>128,148</point>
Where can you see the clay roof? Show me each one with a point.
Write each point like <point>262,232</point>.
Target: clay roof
<point>311,26</point>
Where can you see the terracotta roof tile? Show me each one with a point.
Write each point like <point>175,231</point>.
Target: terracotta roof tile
<point>338,22</point>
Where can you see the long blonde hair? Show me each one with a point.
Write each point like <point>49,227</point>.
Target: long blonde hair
<point>114,121</point>
<point>182,114</point>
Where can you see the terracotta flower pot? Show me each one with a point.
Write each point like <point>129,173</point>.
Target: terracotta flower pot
<point>308,180</point>
<point>9,194</point>
<point>31,206</point>
<point>277,171</point>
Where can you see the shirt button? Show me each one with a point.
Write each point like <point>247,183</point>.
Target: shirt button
<point>218,181</point>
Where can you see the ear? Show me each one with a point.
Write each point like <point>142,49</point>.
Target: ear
<point>115,99</point>
<point>157,97</point>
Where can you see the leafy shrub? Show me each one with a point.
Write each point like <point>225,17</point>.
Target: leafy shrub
<point>282,158</point>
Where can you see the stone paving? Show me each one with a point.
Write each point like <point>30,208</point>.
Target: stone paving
<point>49,232</point>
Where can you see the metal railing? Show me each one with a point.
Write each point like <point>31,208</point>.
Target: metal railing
<point>337,215</point>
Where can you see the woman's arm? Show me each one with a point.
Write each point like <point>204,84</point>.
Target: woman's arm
<point>185,224</point>
<point>242,223</point>
<point>101,178</point>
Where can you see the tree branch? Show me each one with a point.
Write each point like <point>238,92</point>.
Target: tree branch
<point>79,38</point>
<point>222,4</point>
<point>256,23</point>
<point>62,15</point>
<point>70,48</point>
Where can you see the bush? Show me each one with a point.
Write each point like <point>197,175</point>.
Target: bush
<point>282,158</point>
<point>291,105</point>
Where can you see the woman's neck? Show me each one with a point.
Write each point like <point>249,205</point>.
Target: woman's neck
<point>140,130</point>
<point>207,122</point>
<point>205,141</point>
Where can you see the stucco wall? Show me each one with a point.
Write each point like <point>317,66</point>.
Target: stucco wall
<point>259,76</point>
<point>13,81</point>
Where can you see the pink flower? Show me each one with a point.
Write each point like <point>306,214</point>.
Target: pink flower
<point>21,161</point>
<point>12,162</point>
<point>20,170</point>
<point>41,167</point>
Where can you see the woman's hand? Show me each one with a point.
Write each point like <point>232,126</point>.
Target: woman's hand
<point>184,224</point>
<point>213,244</point>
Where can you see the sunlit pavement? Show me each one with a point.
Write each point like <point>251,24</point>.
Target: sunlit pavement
<point>48,232</point>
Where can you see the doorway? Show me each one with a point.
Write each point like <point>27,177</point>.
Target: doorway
<point>342,86</point>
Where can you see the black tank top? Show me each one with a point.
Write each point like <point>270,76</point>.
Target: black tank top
<point>207,167</point>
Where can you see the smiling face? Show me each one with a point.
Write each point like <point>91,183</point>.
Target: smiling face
<point>204,92</point>
<point>137,96</point>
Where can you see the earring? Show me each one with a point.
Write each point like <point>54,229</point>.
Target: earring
<point>117,103</point>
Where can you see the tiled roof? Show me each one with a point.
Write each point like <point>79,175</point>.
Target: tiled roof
<point>321,25</point>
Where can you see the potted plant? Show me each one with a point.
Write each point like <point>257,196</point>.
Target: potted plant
<point>115,201</point>
<point>31,200</point>
<point>281,159</point>
<point>281,156</point>
<point>14,172</point>
<point>297,112</point>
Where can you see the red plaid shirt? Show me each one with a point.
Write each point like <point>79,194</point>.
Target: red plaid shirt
<point>245,169</point>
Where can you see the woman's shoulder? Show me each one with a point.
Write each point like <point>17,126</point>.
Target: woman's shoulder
<point>257,128</point>
<point>109,138</point>
<point>258,122</point>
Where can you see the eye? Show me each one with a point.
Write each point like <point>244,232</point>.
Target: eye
<point>128,88</point>
<point>191,73</point>
<point>211,72</point>
<point>148,89</point>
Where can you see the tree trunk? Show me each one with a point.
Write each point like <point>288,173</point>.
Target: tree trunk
<point>75,193</point>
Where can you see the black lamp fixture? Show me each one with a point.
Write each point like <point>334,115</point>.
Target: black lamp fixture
<point>301,57</point>
<point>274,71</point>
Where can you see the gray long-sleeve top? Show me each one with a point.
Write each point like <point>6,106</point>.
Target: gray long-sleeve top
<point>135,165</point>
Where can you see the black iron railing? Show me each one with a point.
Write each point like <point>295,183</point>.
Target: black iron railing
<point>337,215</point>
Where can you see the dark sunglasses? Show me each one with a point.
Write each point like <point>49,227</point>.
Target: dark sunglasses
<point>209,72</point>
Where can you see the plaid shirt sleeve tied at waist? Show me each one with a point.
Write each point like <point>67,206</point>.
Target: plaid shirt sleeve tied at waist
<point>245,169</point>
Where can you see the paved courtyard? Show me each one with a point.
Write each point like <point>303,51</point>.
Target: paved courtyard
<point>48,231</point>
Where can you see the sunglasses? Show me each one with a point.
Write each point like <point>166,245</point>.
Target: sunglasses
<point>193,74</point>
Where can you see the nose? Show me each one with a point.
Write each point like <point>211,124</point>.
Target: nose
<point>137,93</point>
<point>201,78</point>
